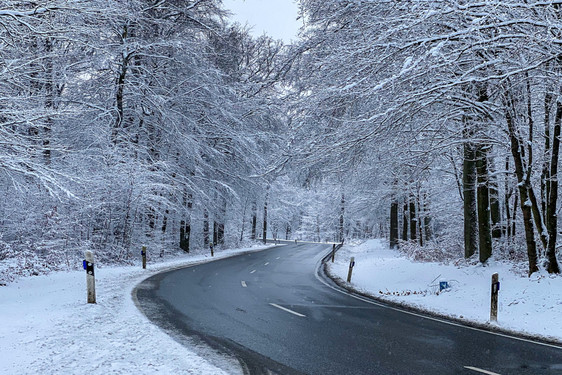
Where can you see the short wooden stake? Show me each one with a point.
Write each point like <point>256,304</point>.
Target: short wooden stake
<point>90,278</point>
<point>333,252</point>
<point>143,254</point>
<point>494,299</point>
<point>351,265</point>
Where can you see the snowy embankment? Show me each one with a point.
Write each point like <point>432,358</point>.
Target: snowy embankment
<point>48,328</point>
<point>531,306</point>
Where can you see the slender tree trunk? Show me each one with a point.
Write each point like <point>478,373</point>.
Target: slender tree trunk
<point>243,220</point>
<point>342,213</point>
<point>507,197</point>
<point>545,175</point>
<point>552,218</point>
<point>495,208</point>
<point>514,220</point>
<point>469,194</point>
<point>205,228</point>
<point>483,198</point>
<point>405,221</point>
<point>254,219</point>
<point>50,94</point>
<point>394,222</point>
<point>119,95</point>
<point>413,219</point>
<point>265,218</point>
<point>427,218</point>
<point>420,215</point>
<point>165,221</point>
<point>185,225</point>
<point>215,232</point>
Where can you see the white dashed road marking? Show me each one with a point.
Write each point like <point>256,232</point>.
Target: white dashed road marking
<point>287,310</point>
<point>480,370</point>
<point>243,284</point>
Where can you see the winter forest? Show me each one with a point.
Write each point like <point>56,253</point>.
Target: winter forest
<point>435,124</point>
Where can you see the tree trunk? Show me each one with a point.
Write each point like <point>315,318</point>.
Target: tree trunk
<point>265,219</point>
<point>185,225</point>
<point>405,221</point>
<point>413,219</point>
<point>342,213</point>
<point>254,219</point>
<point>495,209</point>
<point>205,228</point>
<point>419,218</point>
<point>507,197</point>
<point>469,195</point>
<point>427,218</point>
<point>552,218</point>
<point>545,175</point>
<point>119,94</point>
<point>394,223</point>
<point>483,203</point>
<point>514,220</point>
<point>50,94</point>
<point>215,232</point>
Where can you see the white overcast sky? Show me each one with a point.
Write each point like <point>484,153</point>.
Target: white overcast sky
<point>276,18</point>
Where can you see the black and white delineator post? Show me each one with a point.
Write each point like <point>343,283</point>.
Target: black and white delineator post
<point>212,249</point>
<point>333,252</point>
<point>90,278</point>
<point>494,299</point>
<point>143,254</point>
<point>351,265</point>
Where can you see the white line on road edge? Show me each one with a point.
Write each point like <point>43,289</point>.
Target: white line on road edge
<point>252,271</point>
<point>243,284</point>
<point>287,310</point>
<point>480,370</point>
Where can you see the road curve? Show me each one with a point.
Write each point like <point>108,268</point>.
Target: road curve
<point>272,311</point>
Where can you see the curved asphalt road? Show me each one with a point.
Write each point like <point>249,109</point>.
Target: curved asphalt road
<point>274,312</point>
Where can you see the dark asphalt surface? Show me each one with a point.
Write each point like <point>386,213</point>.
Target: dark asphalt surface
<point>227,304</point>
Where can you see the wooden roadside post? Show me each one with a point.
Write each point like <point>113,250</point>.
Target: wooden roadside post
<point>90,278</point>
<point>212,250</point>
<point>351,265</point>
<point>143,254</point>
<point>494,299</point>
<point>333,252</point>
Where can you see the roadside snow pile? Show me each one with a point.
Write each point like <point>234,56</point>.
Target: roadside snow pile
<point>48,328</point>
<point>529,305</point>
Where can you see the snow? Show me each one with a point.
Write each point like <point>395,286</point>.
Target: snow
<point>48,328</point>
<point>531,306</point>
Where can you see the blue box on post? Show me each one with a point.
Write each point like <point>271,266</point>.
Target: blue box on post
<point>443,285</point>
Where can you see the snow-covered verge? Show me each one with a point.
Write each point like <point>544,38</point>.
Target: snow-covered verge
<point>531,306</point>
<point>48,328</point>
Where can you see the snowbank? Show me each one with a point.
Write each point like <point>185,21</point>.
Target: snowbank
<point>48,328</point>
<point>531,306</point>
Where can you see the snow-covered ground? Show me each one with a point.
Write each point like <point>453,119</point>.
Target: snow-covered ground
<point>531,306</point>
<point>48,328</point>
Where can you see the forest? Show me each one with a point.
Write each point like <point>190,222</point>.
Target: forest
<point>434,124</point>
